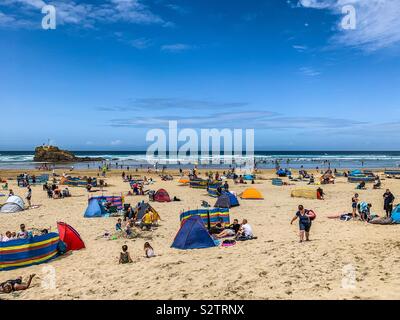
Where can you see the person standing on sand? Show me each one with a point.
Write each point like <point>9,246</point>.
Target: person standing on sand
<point>354,203</point>
<point>388,199</point>
<point>29,196</point>
<point>304,223</point>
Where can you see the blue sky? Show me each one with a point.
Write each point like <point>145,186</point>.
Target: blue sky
<point>114,69</point>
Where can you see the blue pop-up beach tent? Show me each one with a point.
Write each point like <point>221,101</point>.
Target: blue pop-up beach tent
<point>396,215</point>
<point>94,209</point>
<point>193,235</point>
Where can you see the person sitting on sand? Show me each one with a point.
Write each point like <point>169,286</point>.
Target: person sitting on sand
<point>107,206</point>
<point>11,193</point>
<point>128,227</point>
<point>65,193</point>
<point>88,187</point>
<point>57,194</point>
<point>245,232</point>
<point>148,250</point>
<point>6,237</point>
<point>226,186</point>
<point>378,184</point>
<point>124,256</point>
<point>361,186</point>
<point>15,285</point>
<point>365,211</point>
<point>230,231</point>
<point>22,234</point>
<point>320,193</point>
<point>304,223</point>
<point>219,227</point>
<point>147,220</point>
<point>118,225</point>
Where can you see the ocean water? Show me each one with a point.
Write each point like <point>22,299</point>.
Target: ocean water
<point>263,160</point>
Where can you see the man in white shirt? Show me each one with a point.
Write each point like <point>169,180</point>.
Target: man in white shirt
<point>247,231</point>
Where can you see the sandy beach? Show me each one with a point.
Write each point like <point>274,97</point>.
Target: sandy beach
<point>275,266</point>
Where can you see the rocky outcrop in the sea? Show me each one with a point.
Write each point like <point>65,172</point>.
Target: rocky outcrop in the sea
<point>55,154</point>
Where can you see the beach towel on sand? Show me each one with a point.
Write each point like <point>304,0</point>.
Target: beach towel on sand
<point>382,221</point>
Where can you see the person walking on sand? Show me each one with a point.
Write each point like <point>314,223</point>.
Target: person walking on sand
<point>304,223</point>
<point>354,203</point>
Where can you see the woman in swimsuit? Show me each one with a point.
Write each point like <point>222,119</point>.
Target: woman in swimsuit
<point>15,285</point>
<point>304,223</point>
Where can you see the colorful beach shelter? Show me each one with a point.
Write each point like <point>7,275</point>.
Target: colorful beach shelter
<point>13,204</point>
<point>396,215</point>
<point>70,236</point>
<point>162,196</point>
<point>193,235</point>
<point>94,209</point>
<point>251,194</point>
<point>27,252</point>
<point>213,189</point>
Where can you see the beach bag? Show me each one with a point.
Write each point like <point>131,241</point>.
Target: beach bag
<point>61,248</point>
<point>312,215</point>
<point>228,243</point>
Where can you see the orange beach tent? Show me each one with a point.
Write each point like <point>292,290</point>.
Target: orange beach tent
<point>251,194</point>
<point>184,181</point>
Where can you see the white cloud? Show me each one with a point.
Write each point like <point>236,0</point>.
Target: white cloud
<point>116,142</point>
<point>141,43</point>
<point>177,47</point>
<point>252,119</point>
<point>300,48</point>
<point>86,14</point>
<point>378,22</point>
<point>309,72</point>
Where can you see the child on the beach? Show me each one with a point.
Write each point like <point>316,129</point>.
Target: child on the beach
<point>354,202</point>
<point>304,223</point>
<point>125,257</point>
<point>148,250</point>
<point>118,226</point>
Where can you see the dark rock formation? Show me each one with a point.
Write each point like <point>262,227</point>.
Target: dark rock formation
<point>54,154</point>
